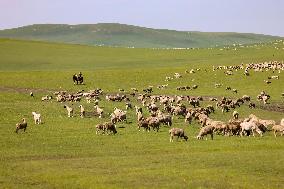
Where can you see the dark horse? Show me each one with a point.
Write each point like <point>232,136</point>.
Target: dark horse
<point>78,79</point>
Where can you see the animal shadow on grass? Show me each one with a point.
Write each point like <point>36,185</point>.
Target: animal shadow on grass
<point>91,114</point>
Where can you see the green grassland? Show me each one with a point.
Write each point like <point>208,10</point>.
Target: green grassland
<point>122,35</point>
<point>66,153</point>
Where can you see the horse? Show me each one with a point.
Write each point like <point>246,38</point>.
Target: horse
<point>78,79</point>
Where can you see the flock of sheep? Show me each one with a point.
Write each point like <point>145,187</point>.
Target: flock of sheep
<point>163,108</point>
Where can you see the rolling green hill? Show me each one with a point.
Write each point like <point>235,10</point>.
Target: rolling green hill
<point>121,35</point>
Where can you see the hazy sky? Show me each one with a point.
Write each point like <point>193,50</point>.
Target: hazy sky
<point>253,16</point>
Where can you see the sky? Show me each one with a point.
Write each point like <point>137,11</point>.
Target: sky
<point>246,16</point>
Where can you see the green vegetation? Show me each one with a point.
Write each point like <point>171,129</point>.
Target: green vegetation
<point>122,35</point>
<point>66,153</point>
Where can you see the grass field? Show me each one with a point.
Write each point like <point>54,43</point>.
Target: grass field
<point>66,153</point>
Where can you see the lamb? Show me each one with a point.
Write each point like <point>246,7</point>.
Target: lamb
<point>22,125</point>
<point>82,111</point>
<point>69,110</point>
<point>106,127</point>
<point>278,128</point>
<point>110,127</point>
<point>177,132</point>
<point>204,131</point>
<point>37,118</point>
<point>154,123</point>
<point>99,111</point>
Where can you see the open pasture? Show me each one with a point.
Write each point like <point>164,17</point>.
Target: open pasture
<point>66,152</point>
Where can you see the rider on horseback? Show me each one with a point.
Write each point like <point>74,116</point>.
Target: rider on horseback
<point>78,79</point>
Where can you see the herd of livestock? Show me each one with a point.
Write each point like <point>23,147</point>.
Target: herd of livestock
<point>162,109</point>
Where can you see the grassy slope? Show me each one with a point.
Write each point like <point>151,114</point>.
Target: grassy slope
<point>128,36</point>
<point>66,153</point>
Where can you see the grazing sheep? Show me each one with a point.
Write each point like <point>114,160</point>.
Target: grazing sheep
<point>177,75</point>
<point>31,94</point>
<point>144,124</point>
<point>118,116</point>
<point>37,118</point>
<point>69,110</point>
<point>177,132</point>
<point>246,98</point>
<point>46,98</point>
<point>82,111</point>
<point>165,119</point>
<point>154,122</point>
<point>278,128</point>
<point>99,128</point>
<point>236,114</point>
<point>233,127</point>
<point>228,88</point>
<point>22,125</point>
<point>99,111</point>
<point>218,85</point>
<point>235,90</point>
<point>204,131</point>
<point>267,82</point>
<point>250,126</point>
<point>106,127</point>
<point>194,86</point>
<point>275,77</point>
<point>110,127</point>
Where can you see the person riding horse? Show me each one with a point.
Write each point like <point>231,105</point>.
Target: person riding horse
<point>78,79</point>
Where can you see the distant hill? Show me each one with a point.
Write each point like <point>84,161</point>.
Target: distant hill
<point>121,35</point>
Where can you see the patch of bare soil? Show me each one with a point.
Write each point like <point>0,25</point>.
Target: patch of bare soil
<point>23,90</point>
<point>277,107</point>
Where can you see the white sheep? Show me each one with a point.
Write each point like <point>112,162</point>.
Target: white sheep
<point>69,110</point>
<point>177,132</point>
<point>37,118</point>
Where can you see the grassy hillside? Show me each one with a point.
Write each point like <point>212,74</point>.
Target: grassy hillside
<point>129,36</point>
<point>66,153</point>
